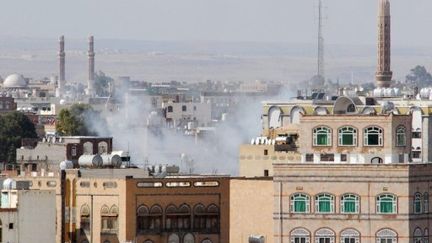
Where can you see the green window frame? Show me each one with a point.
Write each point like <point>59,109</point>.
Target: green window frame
<point>322,136</point>
<point>347,136</point>
<point>324,203</point>
<point>373,136</point>
<point>401,136</point>
<point>300,203</point>
<point>350,204</point>
<point>417,204</point>
<point>386,204</point>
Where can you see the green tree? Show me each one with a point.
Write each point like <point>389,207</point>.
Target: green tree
<point>79,120</point>
<point>419,76</point>
<point>14,127</point>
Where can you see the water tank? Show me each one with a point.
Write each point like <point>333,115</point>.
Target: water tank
<point>111,160</point>
<point>90,160</point>
<point>9,184</point>
<point>66,165</point>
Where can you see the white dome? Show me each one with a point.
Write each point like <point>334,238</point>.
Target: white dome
<point>15,81</point>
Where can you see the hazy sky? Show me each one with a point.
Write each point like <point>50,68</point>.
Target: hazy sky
<point>348,21</point>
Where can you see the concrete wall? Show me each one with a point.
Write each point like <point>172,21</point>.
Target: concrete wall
<point>251,209</point>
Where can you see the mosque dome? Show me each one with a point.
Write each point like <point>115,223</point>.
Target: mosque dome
<point>15,81</point>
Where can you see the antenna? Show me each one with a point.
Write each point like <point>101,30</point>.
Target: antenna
<point>320,57</point>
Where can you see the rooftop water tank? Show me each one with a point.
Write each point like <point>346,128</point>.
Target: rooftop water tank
<point>90,160</point>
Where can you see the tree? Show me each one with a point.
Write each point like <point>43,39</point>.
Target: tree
<point>79,120</point>
<point>14,127</point>
<point>419,76</point>
<point>102,84</point>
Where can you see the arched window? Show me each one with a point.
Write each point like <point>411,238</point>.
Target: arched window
<point>426,236</point>
<point>155,218</point>
<point>88,148</point>
<point>322,136</point>
<point>300,203</point>
<point>189,238</point>
<point>376,160</point>
<point>351,108</point>
<point>373,136</point>
<point>350,204</point>
<point>417,203</point>
<point>324,203</point>
<point>109,219</point>
<point>300,235</point>
<point>350,236</point>
<point>386,204</point>
<point>199,217</point>
<point>426,202</point>
<point>143,218</point>
<point>148,241</point>
<point>206,241</point>
<point>171,217</point>
<point>418,235</point>
<point>347,136</point>
<point>212,221</point>
<point>85,219</point>
<point>401,136</point>
<point>386,236</point>
<point>173,238</point>
<point>275,118</point>
<point>324,235</point>
<point>295,114</point>
<point>184,217</point>
<point>102,148</point>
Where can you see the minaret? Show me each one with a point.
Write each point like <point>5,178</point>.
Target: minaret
<point>61,56</point>
<point>91,67</point>
<point>383,73</point>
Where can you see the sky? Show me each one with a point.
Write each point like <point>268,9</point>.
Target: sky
<point>292,21</point>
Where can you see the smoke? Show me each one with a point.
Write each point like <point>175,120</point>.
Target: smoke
<point>216,152</point>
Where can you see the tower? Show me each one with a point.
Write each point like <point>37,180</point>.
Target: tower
<point>61,56</point>
<point>91,67</point>
<point>383,73</point>
<point>320,57</point>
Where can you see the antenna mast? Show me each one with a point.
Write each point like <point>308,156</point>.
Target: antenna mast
<point>320,71</point>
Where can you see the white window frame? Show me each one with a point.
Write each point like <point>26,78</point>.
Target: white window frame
<point>324,233</point>
<point>300,233</point>
<point>386,195</point>
<point>347,130</point>
<point>317,200</point>
<point>292,203</point>
<point>357,203</point>
<point>373,130</point>
<point>386,234</point>
<point>350,233</point>
<point>401,130</point>
<point>322,130</point>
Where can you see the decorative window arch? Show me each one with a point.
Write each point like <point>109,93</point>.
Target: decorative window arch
<point>300,235</point>
<point>114,210</point>
<point>300,203</point>
<point>386,204</point>
<point>184,217</point>
<point>418,235</point>
<point>155,221</point>
<point>426,202</point>
<point>143,218</point>
<point>417,204</point>
<point>347,136</point>
<point>189,238</point>
<point>88,148</point>
<point>324,235</point>
<point>212,218</point>
<point>275,117</point>
<point>171,212</point>
<point>173,238</point>
<point>109,219</point>
<point>295,114</point>
<point>387,236</point>
<point>85,219</point>
<point>373,136</point>
<point>199,217</point>
<point>401,139</point>
<point>104,210</point>
<point>206,241</point>
<point>102,147</point>
<point>148,241</point>
<point>322,136</point>
<point>350,203</point>
<point>324,203</point>
<point>350,236</point>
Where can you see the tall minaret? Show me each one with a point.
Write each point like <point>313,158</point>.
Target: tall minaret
<point>91,67</point>
<point>61,56</point>
<point>383,73</point>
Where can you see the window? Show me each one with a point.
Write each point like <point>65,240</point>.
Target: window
<point>324,203</point>
<point>85,219</point>
<point>171,217</point>
<point>265,151</point>
<point>350,236</point>
<point>206,220</point>
<point>426,236</point>
<point>109,220</point>
<point>322,136</point>
<point>344,157</point>
<point>426,202</point>
<point>373,136</point>
<point>189,238</point>
<point>401,136</point>
<point>386,236</point>
<point>416,134</point>
<point>143,218</point>
<point>300,235</point>
<point>327,157</point>
<point>386,204</point>
<point>102,148</point>
<point>418,235</point>
<point>184,217</point>
<point>74,151</point>
<point>416,154</point>
<point>417,203</point>
<point>184,108</point>
<point>309,157</point>
<point>347,136</point>
<point>350,204</point>
<point>266,173</point>
<point>324,236</point>
<point>300,203</point>
<point>170,109</point>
